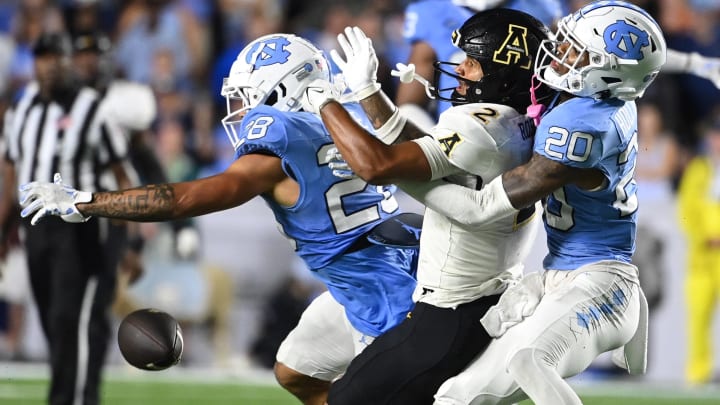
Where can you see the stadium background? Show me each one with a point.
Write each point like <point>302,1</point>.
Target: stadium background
<point>232,278</point>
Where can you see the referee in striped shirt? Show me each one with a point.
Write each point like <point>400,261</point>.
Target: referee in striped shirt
<point>59,126</point>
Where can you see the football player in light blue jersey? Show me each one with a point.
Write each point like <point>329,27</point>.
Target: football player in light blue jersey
<point>587,301</point>
<point>335,225</point>
<point>428,25</point>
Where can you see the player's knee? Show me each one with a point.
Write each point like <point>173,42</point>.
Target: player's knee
<point>523,361</point>
<point>308,389</point>
<point>287,377</point>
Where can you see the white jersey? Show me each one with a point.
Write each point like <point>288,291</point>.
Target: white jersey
<point>473,144</point>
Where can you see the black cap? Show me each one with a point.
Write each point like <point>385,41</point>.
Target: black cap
<point>52,43</point>
<point>91,41</point>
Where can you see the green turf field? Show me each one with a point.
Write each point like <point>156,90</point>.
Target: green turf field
<point>141,391</point>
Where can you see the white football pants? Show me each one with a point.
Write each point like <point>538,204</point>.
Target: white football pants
<point>583,313</point>
<point>323,343</point>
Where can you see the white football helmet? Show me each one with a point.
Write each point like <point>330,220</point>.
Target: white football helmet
<point>622,45</point>
<point>274,70</point>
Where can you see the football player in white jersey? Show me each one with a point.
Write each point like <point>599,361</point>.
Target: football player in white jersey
<point>462,270</point>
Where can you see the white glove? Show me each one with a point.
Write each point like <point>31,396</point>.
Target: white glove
<point>361,63</point>
<point>516,303</point>
<point>318,93</point>
<point>52,199</point>
<point>340,168</point>
<point>705,67</point>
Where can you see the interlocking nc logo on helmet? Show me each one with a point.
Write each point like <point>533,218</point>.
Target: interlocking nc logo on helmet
<point>268,52</point>
<point>625,41</point>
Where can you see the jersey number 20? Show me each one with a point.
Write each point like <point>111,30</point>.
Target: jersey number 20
<point>625,202</point>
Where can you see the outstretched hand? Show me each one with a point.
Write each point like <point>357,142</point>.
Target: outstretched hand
<point>360,64</point>
<point>44,198</point>
<point>705,67</point>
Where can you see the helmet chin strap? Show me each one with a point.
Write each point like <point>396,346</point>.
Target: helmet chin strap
<point>457,99</point>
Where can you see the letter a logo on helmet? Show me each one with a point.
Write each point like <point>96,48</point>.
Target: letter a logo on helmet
<point>514,50</point>
<point>268,52</point>
<point>625,41</point>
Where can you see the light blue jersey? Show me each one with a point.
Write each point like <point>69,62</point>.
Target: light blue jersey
<point>587,226</point>
<point>547,11</point>
<point>433,21</point>
<point>374,284</point>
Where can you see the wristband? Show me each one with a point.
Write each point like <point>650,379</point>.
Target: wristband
<point>391,129</point>
<point>366,91</point>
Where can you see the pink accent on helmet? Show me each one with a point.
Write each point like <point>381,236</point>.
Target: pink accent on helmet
<point>535,110</point>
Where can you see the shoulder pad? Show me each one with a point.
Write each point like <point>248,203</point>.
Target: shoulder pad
<point>572,132</point>
<point>474,137</point>
<point>263,128</point>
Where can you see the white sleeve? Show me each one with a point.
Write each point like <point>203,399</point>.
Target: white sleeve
<point>438,161</point>
<point>472,208</point>
<point>676,62</point>
<point>460,143</point>
<point>470,144</point>
<point>693,63</point>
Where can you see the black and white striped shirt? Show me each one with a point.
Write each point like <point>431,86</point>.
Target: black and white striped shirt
<point>78,141</point>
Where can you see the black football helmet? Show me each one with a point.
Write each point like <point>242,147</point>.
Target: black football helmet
<point>506,43</point>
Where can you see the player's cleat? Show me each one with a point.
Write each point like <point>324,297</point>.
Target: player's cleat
<point>150,339</point>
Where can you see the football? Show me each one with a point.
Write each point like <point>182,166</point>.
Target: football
<point>150,339</point>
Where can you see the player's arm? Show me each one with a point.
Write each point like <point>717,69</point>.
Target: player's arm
<point>249,176</point>
<point>391,126</point>
<point>370,158</point>
<point>693,63</point>
<point>513,190</point>
<point>528,183</point>
<point>360,72</point>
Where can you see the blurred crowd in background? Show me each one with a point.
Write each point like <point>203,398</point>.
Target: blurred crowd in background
<point>239,293</point>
